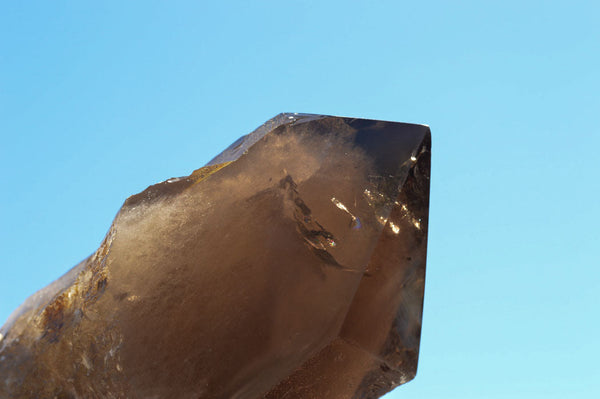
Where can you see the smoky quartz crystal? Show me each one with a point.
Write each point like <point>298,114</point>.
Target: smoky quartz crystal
<point>290,266</point>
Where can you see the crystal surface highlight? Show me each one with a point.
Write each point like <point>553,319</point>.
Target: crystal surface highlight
<point>291,266</point>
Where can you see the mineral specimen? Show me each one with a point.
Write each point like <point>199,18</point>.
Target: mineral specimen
<point>291,266</point>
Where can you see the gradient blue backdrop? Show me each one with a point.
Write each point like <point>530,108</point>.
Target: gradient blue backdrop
<point>98,101</point>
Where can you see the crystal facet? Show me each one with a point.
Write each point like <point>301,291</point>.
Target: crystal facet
<point>291,266</point>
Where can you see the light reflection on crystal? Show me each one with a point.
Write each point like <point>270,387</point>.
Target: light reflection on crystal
<point>340,205</point>
<point>355,223</point>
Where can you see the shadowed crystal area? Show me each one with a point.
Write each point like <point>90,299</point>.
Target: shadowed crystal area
<point>291,266</point>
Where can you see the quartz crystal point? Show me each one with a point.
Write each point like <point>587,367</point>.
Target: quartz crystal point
<point>291,266</point>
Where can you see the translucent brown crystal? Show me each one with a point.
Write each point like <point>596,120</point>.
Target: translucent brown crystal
<point>291,266</point>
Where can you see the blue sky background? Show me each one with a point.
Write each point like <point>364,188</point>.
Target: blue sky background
<point>98,100</point>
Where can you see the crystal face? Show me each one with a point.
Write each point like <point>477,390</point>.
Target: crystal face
<point>291,266</point>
